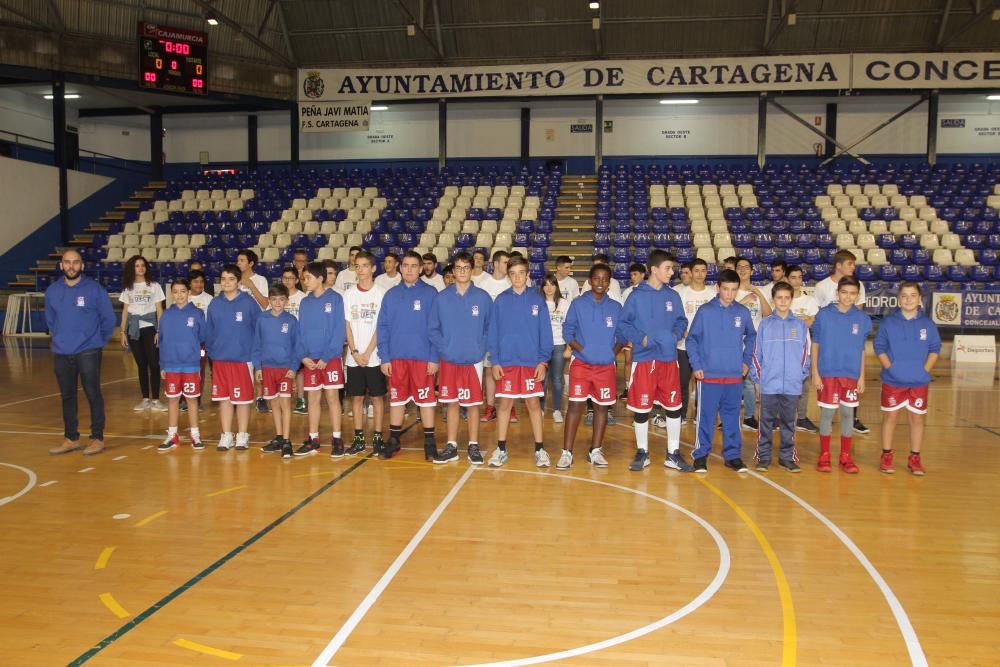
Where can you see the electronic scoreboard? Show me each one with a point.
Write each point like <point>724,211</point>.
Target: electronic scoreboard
<point>173,59</point>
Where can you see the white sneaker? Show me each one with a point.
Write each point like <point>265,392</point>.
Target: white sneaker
<point>371,411</point>
<point>242,441</point>
<point>596,457</point>
<point>497,458</point>
<point>225,442</point>
<point>542,459</point>
<point>142,405</point>
<point>557,417</point>
<point>565,460</point>
<point>157,406</point>
<point>659,421</point>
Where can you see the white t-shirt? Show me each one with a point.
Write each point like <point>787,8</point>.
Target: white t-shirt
<point>614,290</point>
<point>756,312</point>
<point>557,315</point>
<point>492,286</point>
<point>766,291</point>
<point>805,306</point>
<point>260,282</point>
<point>825,292</point>
<point>435,281</point>
<point>361,308</point>
<point>201,301</point>
<point>345,280</point>
<point>142,300</point>
<point>293,303</point>
<point>569,288</point>
<point>693,300</point>
<point>384,281</point>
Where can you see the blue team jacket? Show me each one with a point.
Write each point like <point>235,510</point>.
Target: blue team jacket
<point>230,327</point>
<point>721,340</point>
<point>458,324</point>
<point>276,341</point>
<point>781,355</point>
<point>656,314</point>
<point>520,332</point>
<point>908,344</point>
<point>841,340</point>
<point>182,331</point>
<point>322,327</point>
<point>594,326</point>
<point>80,317</point>
<point>403,323</point>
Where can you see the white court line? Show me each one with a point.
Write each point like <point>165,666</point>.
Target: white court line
<point>32,480</point>
<point>50,483</point>
<point>38,398</point>
<point>345,631</point>
<point>119,458</point>
<point>85,470</point>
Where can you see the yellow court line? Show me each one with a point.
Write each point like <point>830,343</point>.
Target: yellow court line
<point>325,473</point>
<point>102,560</point>
<point>112,604</point>
<point>207,650</point>
<point>790,634</point>
<point>151,517</point>
<point>219,493</point>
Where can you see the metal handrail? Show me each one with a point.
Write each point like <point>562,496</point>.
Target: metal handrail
<point>18,140</point>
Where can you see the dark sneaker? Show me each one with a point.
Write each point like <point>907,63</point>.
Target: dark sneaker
<point>449,454</point>
<point>286,449</point>
<point>589,418</point>
<point>273,446</point>
<point>197,445</point>
<point>475,455</point>
<point>790,466</point>
<point>357,445</point>
<point>338,449</point>
<point>389,449</point>
<point>737,465</point>
<point>378,444</point>
<point>262,406</point>
<point>430,450</point>
<point>300,407</point>
<point>762,466</point>
<point>677,462</point>
<point>640,461</point>
<point>860,428</point>
<point>168,444</point>
<point>184,405</point>
<point>806,425</point>
<point>308,447</point>
<point>701,464</point>
<point>750,424</point>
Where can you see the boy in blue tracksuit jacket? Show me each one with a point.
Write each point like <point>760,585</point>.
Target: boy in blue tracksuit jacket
<point>838,363</point>
<point>907,345</point>
<point>520,344</point>
<point>653,320</point>
<point>591,332</point>
<point>780,365</point>
<point>182,332</point>
<point>720,346</point>
<point>275,361</point>
<point>230,325</point>
<point>458,324</point>
<point>408,358</point>
<point>322,332</point>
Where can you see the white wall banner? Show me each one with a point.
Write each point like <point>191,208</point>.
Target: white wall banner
<point>336,116</point>
<point>925,70</point>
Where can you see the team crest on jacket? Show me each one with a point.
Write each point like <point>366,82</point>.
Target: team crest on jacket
<point>738,321</point>
<point>239,315</point>
<point>855,329</point>
<point>923,334</point>
<point>190,322</point>
<point>670,306</point>
<point>794,334</point>
<point>534,310</point>
<point>416,304</point>
<point>81,302</point>
<point>609,322</point>
<point>284,327</point>
<point>475,311</point>
<point>327,307</point>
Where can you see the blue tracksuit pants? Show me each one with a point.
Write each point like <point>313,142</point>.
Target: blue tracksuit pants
<point>715,399</point>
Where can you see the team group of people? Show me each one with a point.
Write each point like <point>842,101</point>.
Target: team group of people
<point>477,341</point>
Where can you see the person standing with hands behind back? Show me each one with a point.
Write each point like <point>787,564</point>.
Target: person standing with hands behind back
<point>142,305</point>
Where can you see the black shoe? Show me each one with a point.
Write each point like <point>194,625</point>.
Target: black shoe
<point>184,405</point>
<point>860,428</point>
<point>378,444</point>
<point>805,424</point>
<point>273,446</point>
<point>790,466</point>
<point>198,445</point>
<point>357,445</point>
<point>701,464</point>
<point>624,396</point>
<point>430,450</point>
<point>308,447</point>
<point>389,449</point>
<point>449,454</point>
<point>475,456</point>
<point>750,424</point>
<point>762,466</point>
<point>640,462</point>
<point>737,465</point>
<point>262,406</point>
<point>338,449</point>
<point>286,449</point>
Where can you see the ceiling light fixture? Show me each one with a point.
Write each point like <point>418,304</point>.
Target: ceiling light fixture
<point>67,96</point>
<point>678,101</point>
<point>378,107</point>
<point>993,98</point>
<point>595,5</point>
<point>211,19</point>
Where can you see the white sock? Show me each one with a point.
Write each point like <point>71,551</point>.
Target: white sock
<point>336,435</point>
<point>196,434</point>
<point>314,436</point>
<point>673,434</point>
<point>171,431</point>
<point>642,435</point>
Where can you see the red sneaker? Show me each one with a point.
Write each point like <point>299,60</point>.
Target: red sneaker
<point>489,414</point>
<point>513,415</point>
<point>915,466</point>
<point>170,443</point>
<point>885,463</point>
<point>848,465</point>
<point>823,464</point>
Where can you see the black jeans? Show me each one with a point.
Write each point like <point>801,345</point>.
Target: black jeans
<point>147,358</point>
<point>87,367</point>
<point>685,367</point>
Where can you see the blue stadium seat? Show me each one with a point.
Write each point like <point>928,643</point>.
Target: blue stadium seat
<point>935,274</point>
<point>913,272</point>
<point>957,274</point>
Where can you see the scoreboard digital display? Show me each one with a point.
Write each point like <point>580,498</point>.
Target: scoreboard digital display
<point>173,59</point>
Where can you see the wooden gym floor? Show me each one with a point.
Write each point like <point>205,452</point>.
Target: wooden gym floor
<point>139,558</point>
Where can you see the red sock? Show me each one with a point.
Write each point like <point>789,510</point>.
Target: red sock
<point>824,445</point>
<point>845,446</point>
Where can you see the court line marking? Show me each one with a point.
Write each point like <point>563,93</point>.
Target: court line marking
<point>38,398</point>
<point>152,517</point>
<point>85,470</point>
<point>207,650</point>
<point>706,594</point>
<point>219,493</point>
<point>49,483</point>
<point>789,631</point>
<point>323,659</point>
<point>111,603</point>
<point>32,480</point>
<point>119,458</point>
<point>160,604</point>
<point>102,560</point>
<point>988,430</point>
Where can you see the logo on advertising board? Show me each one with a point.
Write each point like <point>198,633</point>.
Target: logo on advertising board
<point>313,86</point>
